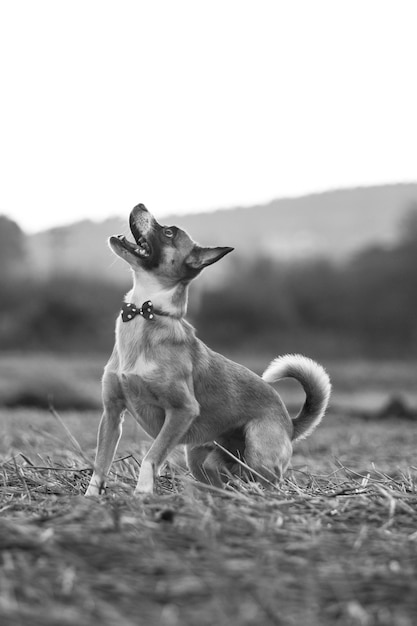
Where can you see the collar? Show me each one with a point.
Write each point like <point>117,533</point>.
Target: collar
<point>147,311</point>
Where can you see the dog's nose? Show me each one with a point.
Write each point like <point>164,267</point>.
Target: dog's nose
<point>140,207</point>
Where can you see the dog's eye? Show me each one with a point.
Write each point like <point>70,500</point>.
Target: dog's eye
<point>168,232</point>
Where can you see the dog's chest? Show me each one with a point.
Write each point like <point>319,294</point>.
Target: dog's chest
<point>137,363</point>
<point>144,367</point>
<point>132,348</point>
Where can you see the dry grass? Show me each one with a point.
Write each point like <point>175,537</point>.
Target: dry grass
<point>335,544</point>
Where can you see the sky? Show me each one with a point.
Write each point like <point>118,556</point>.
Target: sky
<point>197,105</point>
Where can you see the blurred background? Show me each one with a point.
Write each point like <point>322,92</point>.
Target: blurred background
<point>287,132</point>
<point>331,275</point>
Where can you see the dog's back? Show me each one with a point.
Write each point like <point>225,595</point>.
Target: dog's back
<point>229,395</point>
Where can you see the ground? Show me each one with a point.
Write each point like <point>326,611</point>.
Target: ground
<point>336,543</point>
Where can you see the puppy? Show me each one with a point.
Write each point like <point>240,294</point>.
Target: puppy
<point>179,390</point>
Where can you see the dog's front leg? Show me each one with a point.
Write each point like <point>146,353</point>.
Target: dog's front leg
<point>177,422</point>
<point>109,433</point>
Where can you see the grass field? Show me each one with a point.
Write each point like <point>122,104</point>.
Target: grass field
<point>335,544</point>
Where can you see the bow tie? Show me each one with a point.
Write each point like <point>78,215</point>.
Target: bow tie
<point>129,311</point>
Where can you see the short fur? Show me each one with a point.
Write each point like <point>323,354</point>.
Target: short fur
<point>179,390</point>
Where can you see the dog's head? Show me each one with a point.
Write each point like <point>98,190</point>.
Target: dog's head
<point>166,251</point>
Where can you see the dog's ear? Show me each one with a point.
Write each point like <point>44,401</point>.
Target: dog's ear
<point>201,257</point>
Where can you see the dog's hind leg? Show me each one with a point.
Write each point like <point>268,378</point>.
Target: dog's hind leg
<point>268,448</point>
<point>205,462</point>
<point>195,457</point>
<point>214,464</point>
<point>109,432</point>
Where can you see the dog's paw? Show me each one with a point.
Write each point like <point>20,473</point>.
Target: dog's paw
<point>143,490</point>
<point>95,488</point>
<point>92,491</point>
<point>146,479</point>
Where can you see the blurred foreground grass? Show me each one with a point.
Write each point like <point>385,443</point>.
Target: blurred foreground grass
<point>335,544</point>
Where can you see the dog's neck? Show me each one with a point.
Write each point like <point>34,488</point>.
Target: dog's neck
<point>171,300</point>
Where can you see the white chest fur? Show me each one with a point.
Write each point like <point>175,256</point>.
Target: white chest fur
<point>129,340</point>
<point>144,367</point>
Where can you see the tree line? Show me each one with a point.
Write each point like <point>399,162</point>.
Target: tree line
<point>364,307</point>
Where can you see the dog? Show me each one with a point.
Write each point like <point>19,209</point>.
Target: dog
<point>182,392</point>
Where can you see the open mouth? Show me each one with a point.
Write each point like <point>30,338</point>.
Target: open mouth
<point>141,248</point>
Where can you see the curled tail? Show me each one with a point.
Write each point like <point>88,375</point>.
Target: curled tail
<point>315,383</point>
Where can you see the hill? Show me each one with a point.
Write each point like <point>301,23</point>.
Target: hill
<point>333,224</point>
